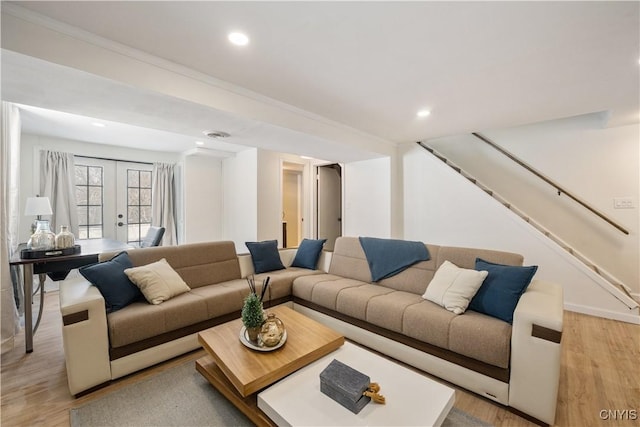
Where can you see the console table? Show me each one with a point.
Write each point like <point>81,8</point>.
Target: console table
<point>58,267</point>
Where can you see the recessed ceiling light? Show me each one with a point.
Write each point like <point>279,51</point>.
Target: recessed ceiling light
<point>98,125</point>
<point>216,134</point>
<point>199,143</point>
<point>239,39</point>
<point>423,113</point>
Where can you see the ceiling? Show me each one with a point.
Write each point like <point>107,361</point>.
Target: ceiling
<point>369,66</point>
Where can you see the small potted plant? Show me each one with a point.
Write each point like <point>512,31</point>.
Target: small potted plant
<point>252,311</point>
<point>252,316</point>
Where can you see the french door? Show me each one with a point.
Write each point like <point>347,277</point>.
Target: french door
<point>113,198</point>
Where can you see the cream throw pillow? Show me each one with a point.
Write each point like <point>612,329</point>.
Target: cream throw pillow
<point>157,281</point>
<point>453,287</point>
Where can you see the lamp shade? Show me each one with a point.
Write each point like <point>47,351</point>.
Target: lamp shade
<point>37,206</point>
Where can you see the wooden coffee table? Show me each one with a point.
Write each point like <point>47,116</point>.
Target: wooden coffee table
<point>239,372</point>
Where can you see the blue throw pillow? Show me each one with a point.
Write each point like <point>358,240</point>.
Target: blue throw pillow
<point>108,276</point>
<point>265,256</point>
<point>308,253</point>
<point>501,290</point>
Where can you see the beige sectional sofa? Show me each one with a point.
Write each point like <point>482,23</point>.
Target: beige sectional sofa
<point>514,364</point>
<point>101,346</point>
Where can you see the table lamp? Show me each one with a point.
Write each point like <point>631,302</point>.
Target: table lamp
<point>37,206</point>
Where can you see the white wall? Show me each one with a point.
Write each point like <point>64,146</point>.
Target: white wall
<point>367,198</point>
<point>30,161</point>
<point>203,197</point>
<point>440,207</point>
<point>240,198</point>
<point>594,163</point>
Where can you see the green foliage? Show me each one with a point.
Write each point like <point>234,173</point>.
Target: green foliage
<point>252,314</point>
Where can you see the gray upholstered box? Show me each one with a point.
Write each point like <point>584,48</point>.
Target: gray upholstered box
<point>345,385</point>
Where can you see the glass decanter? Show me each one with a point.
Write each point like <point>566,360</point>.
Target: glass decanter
<point>65,238</point>
<point>43,239</point>
<point>272,331</point>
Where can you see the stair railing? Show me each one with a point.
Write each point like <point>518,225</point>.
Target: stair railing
<point>549,181</point>
<point>616,287</point>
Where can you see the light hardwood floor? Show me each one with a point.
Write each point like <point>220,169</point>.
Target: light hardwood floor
<point>600,371</point>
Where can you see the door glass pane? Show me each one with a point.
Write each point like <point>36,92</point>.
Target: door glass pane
<point>81,195</point>
<point>95,232</point>
<point>145,196</point>
<point>95,196</point>
<point>134,232</point>
<point>145,214</point>
<point>81,175</point>
<point>134,214</point>
<point>133,196</point>
<point>95,175</point>
<point>145,179</point>
<point>83,218</point>
<point>133,178</point>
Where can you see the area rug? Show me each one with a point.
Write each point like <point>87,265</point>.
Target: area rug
<point>181,397</point>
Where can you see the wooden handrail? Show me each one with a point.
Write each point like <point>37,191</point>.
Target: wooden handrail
<point>558,188</point>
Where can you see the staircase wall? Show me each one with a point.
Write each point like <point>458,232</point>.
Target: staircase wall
<point>592,162</point>
<point>442,207</point>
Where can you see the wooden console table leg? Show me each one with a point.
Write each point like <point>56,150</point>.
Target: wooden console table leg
<point>27,273</point>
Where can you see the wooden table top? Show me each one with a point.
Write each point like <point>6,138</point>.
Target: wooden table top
<point>250,370</point>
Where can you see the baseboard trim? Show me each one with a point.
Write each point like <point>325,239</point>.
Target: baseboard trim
<point>633,316</point>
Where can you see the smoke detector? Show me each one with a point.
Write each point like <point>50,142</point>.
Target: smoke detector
<point>216,134</point>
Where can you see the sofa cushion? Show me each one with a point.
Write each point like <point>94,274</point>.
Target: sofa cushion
<point>303,286</point>
<point>453,287</point>
<point>481,337</point>
<point>322,289</point>
<point>388,310</point>
<point>157,281</point>
<point>308,253</point>
<point>428,322</point>
<point>114,285</point>
<point>265,256</point>
<point>499,294</point>
<point>141,320</point>
<point>223,298</point>
<point>354,300</point>
<point>348,260</point>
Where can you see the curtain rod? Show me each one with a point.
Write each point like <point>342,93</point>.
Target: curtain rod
<point>113,160</point>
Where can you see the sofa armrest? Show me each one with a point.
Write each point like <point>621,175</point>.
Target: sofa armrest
<point>536,351</point>
<point>84,335</point>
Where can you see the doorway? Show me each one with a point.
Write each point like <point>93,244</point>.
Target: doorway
<point>113,199</point>
<point>292,204</point>
<point>329,204</point>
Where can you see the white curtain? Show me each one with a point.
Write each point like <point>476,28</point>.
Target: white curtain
<point>9,220</point>
<point>163,202</point>
<point>57,182</point>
